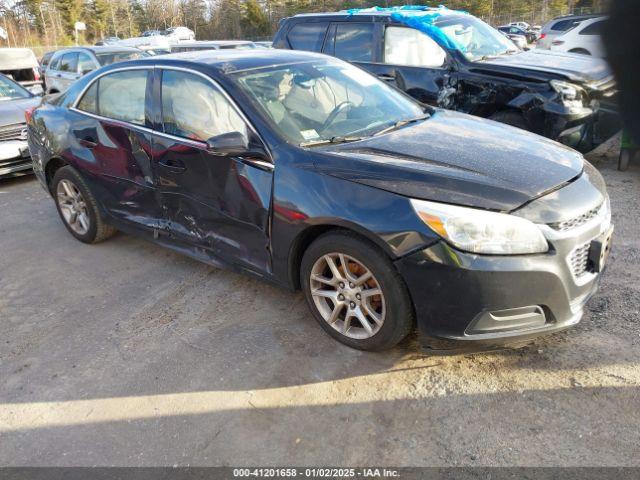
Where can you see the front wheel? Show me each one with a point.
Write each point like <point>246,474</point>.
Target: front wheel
<point>624,159</point>
<point>355,293</point>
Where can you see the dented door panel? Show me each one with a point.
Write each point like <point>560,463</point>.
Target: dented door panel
<point>424,84</point>
<point>217,203</point>
<point>117,158</point>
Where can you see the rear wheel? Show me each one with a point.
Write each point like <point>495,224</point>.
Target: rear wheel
<point>78,208</point>
<point>355,293</point>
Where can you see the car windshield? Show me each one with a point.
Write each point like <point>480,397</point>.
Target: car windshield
<point>11,91</point>
<point>315,103</point>
<point>114,57</point>
<point>475,39</point>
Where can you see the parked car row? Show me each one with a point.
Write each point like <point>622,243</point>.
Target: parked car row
<point>321,175</point>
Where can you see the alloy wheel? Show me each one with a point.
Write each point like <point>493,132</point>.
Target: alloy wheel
<point>73,207</point>
<point>347,295</point>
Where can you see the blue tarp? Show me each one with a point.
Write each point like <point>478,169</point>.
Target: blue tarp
<point>421,18</point>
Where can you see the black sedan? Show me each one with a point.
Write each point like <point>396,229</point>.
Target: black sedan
<point>307,171</point>
<point>513,30</point>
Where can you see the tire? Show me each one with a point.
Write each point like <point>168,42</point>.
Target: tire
<point>624,159</point>
<point>514,119</point>
<point>581,51</point>
<point>67,184</point>
<point>393,308</point>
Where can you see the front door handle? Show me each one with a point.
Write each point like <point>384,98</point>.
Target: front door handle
<point>88,142</point>
<point>386,77</point>
<point>173,165</point>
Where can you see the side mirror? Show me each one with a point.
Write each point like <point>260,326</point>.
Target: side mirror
<point>234,144</point>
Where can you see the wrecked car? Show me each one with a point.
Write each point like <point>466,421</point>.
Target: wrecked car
<point>309,172</point>
<point>454,60</point>
<point>15,102</point>
<point>21,65</point>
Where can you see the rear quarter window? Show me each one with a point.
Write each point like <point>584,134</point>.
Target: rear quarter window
<point>594,29</point>
<point>308,36</point>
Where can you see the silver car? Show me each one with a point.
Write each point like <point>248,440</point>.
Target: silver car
<point>15,101</point>
<point>70,64</point>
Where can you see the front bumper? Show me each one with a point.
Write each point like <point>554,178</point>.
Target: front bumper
<point>584,128</point>
<point>14,158</point>
<point>469,300</point>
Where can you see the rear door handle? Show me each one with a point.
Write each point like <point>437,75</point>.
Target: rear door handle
<point>88,142</point>
<point>173,165</point>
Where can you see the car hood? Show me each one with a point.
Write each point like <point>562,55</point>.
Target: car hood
<point>12,111</point>
<point>576,67</point>
<point>456,158</point>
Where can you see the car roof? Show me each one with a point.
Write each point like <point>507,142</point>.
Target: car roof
<point>212,42</point>
<point>100,49</point>
<point>373,15</point>
<point>577,17</point>
<point>227,61</point>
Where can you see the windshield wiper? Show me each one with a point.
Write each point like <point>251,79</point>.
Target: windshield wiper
<point>401,123</point>
<point>326,141</point>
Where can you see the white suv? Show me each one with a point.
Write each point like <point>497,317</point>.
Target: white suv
<point>583,38</point>
<point>180,34</point>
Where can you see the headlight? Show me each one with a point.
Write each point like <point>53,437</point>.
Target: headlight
<point>569,94</point>
<point>480,231</point>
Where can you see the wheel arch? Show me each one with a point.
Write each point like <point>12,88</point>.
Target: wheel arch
<point>307,236</point>
<point>53,165</point>
<point>580,50</point>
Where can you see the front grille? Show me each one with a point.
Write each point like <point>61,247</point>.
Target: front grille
<point>579,260</point>
<point>13,132</point>
<point>576,221</point>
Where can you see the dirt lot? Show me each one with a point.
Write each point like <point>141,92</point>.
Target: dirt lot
<point>125,353</point>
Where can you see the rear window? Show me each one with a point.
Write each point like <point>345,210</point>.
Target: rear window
<point>308,36</point>
<point>354,42</point>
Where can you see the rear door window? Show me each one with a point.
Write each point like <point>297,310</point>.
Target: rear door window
<point>308,36</point>
<point>69,62</point>
<point>412,48</point>
<point>119,95</point>
<point>85,63</point>
<point>354,42</point>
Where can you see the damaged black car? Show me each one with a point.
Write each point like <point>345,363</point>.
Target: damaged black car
<point>453,60</point>
<point>309,172</point>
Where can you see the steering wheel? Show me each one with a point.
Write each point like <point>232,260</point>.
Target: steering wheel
<point>334,113</point>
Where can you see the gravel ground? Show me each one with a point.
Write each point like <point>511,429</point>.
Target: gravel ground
<point>125,353</point>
